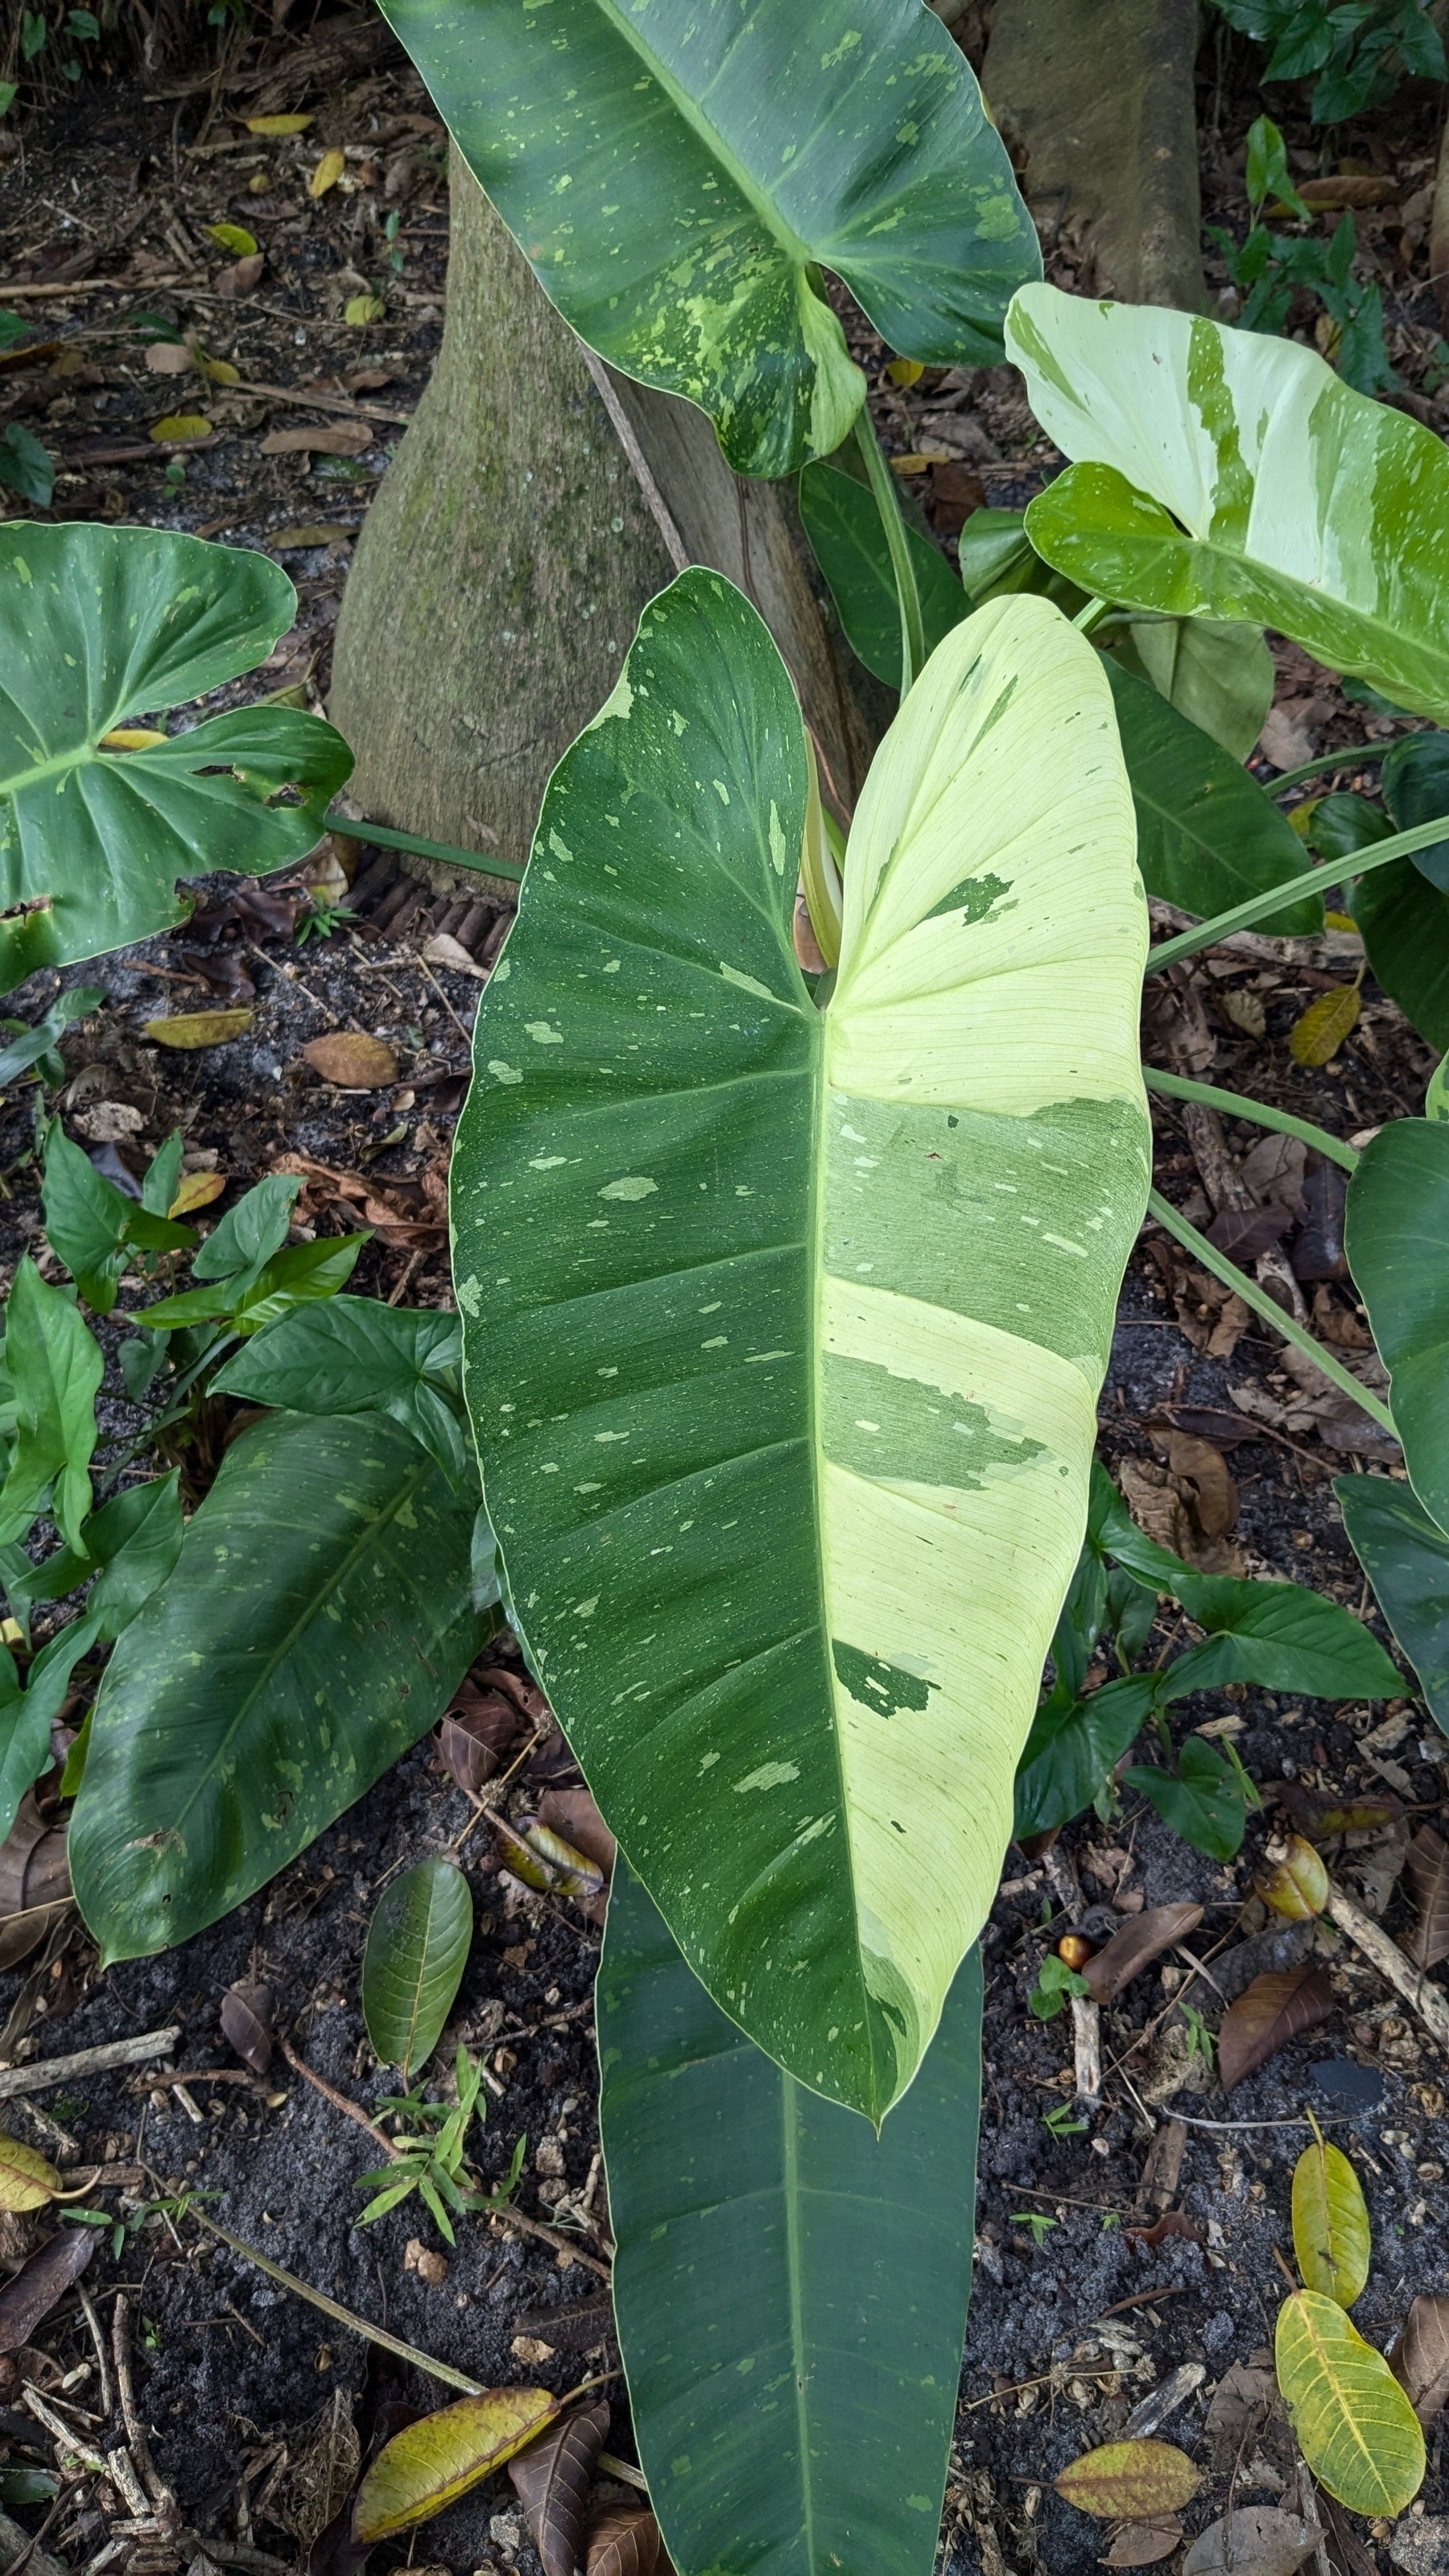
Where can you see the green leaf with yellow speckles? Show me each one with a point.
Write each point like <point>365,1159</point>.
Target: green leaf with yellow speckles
<point>99,627</point>
<point>807,2428</point>
<point>316,1624</point>
<point>783,1326</point>
<point>678,177</point>
<point>1226,474</point>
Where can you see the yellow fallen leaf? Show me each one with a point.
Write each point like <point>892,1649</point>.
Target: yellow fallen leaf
<point>278,124</point>
<point>905,371</point>
<point>918,461</point>
<point>1130,2481</point>
<point>351,1060</point>
<point>220,370</point>
<point>197,1028</point>
<point>197,1190</point>
<point>429,2464</point>
<point>26,2180</point>
<point>362,309</point>
<point>1339,921</point>
<point>179,425</point>
<point>1319,1032</point>
<point>233,237</point>
<point>130,738</point>
<point>1301,816</point>
<point>327,173</point>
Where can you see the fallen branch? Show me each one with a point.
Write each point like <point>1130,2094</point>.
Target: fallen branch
<point>1419,1992</point>
<point>43,2072</point>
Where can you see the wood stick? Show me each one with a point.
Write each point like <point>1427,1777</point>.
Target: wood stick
<point>44,2072</point>
<point>321,402</point>
<point>1087,2050</point>
<point>162,2499</point>
<point>1419,1992</point>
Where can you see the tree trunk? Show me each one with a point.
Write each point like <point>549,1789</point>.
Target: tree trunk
<point>504,564</point>
<point>1098,96</point>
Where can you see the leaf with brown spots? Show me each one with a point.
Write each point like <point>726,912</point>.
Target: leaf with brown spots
<point>1320,1815</point>
<point>1130,2481</point>
<point>553,2477</point>
<point>1275,2009</point>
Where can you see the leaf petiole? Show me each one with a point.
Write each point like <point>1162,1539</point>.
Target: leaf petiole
<point>1276,898</point>
<point>887,501</point>
<point>1177,1087</point>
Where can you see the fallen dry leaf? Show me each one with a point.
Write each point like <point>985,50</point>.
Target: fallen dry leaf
<point>170,358</point>
<point>1142,2544</point>
<point>246,2023</point>
<point>1253,2540</point>
<point>1129,2481</point>
<point>180,427</point>
<point>1275,2009</point>
<point>1344,188</point>
<point>1171,2223</point>
<point>1318,1252</point>
<point>1244,1233</point>
<point>1240,2407</point>
<point>1136,1946</point>
<point>190,1029</point>
<point>1203,1469</point>
<point>444,950</point>
<point>432,2462</point>
<point>1426,1867</point>
<point>278,124</point>
<point>352,1061</point>
<point>553,2477</point>
<point>1420,2358</point>
<point>27,2178</point>
<point>242,276</point>
<point>1297,1886</point>
<point>34,1880</point>
<point>1322,1814</point>
<point>197,1190</point>
<point>575,1814</point>
<point>321,438</point>
<point>625,2540</point>
<point>327,173</point>
<point>38,2284</point>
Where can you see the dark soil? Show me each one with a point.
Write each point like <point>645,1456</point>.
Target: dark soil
<point>256,2398</point>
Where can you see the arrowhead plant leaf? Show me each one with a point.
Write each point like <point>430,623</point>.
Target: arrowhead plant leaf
<point>1226,474</point>
<point>783,1326</point>
<point>678,177</point>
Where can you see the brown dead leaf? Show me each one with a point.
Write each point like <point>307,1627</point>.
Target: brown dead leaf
<point>170,358</point>
<point>625,2540</point>
<point>553,2477</point>
<point>1212,1492</point>
<point>47,2276</point>
<point>1129,2481</point>
<point>1252,2540</point>
<point>34,1880</point>
<point>320,438</point>
<point>1244,1233</point>
<point>1244,1009</point>
<point>1173,2222</point>
<point>242,276</point>
<point>1322,1814</point>
<point>350,1060</point>
<point>1426,1867</point>
<point>1358,188</point>
<point>1136,1946</point>
<point>574,1813</point>
<point>1142,2544</point>
<point>1420,2358</point>
<point>1275,2009</point>
<point>1318,1252</point>
<point>246,2023</point>
<point>475,1733</point>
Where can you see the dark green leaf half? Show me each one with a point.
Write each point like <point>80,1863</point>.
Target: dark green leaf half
<point>1405,926</point>
<point>790,2288</point>
<point>1072,1749</point>
<point>417,1948</point>
<point>133,1543</point>
<point>356,1355</point>
<point>1201,1800</point>
<point>675,177</point>
<point>1396,1236</point>
<point>1219,676</point>
<point>1415,782</point>
<point>54,1367</point>
<point>100,626</point>
<point>1406,1558</point>
<point>1207,835</point>
<point>843,525</point>
<point>316,1625</point>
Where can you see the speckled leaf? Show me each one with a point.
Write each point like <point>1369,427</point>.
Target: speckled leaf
<point>101,624</point>
<point>316,1625</point>
<point>1228,474</point>
<point>429,2464</point>
<point>675,176</point>
<point>790,2289</point>
<point>1331,2236</point>
<point>1396,1236</point>
<point>27,2180</point>
<point>1355,2426</point>
<point>417,1948</point>
<point>1406,1558</point>
<point>756,1294</point>
<point>1133,2480</point>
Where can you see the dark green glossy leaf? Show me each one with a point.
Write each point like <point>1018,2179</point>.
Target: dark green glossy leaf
<point>1415,782</point>
<point>99,627</point>
<point>417,1948</point>
<point>54,1367</point>
<point>252,1231</point>
<point>1201,1801</point>
<point>302,1274</point>
<point>133,1543</point>
<point>1342,824</point>
<point>162,1177</point>
<point>1207,835</point>
<point>92,1226</point>
<point>356,1355</point>
<point>26,466</point>
<point>677,184</point>
<point>843,525</point>
<point>1073,1748</point>
<point>1219,677</point>
<point>1406,1558</point>
<point>26,1716</point>
<point>316,1625</point>
<point>1405,926</point>
<point>1396,1236</point>
<point>790,2288</point>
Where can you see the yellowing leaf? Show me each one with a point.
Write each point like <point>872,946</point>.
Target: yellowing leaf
<point>1354,2424</point>
<point>1301,817</point>
<point>197,1190</point>
<point>905,371</point>
<point>327,173</point>
<point>429,2464</point>
<point>1130,2481</point>
<point>1298,1887</point>
<point>351,1060</point>
<point>1339,921</point>
<point>26,2180</point>
<point>278,124</point>
<point>197,1028</point>
<point>233,237</point>
<point>362,309</point>
<point>220,370</point>
<point>1330,2224</point>
<point>1319,1032</point>
<point>180,425</point>
<point>130,738</point>
<point>918,461</point>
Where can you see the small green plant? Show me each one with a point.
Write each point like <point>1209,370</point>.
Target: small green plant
<point>1268,268</point>
<point>1055,1983</point>
<point>1200,2040</point>
<point>321,919</point>
<point>1357,52</point>
<point>431,2156</point>
<point>1037,2220</point>
<point>1059,2122</point>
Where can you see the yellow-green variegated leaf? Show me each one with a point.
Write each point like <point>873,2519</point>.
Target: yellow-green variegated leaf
<point>784,1327</point>
<point>1225,474</point>
<point>1354,2425</point>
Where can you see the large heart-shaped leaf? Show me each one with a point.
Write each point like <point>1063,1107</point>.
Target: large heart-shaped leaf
<point>1396,1236</point>
<point>1406,1558</point>
<point>1222,473</point>
<point>677,176</point>
<point>806,2427</point>
<point>783,1327</point>
<point>101,625</point>
<point>317,1622</point>
<point>1206,833</point>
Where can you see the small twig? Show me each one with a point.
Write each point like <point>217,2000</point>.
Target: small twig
<point>160,2494</point>
<point>1419,1992</point>
<point>1087,2050</point>
<point>128,2485</point>
<point>63,2433</point>
<point>613,2467</point>
<point>45,2072</point>
<point>659,510</point>
<point>88,2311</point>
<point>339,2101</point>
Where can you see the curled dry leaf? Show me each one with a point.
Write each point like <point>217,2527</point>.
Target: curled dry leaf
<point>246,2022</point>
<point>1173,2222</point>
<point>242,276</point>
<point>574,1874</point>
<point>47,2276</point>
<point>190,1029</point>
<point>553,2476</point>
<point>1426,1867</point>
<point>27,2179</point>
<point>1297,1887</point>
<point>433,2462</point>
<point>1130,2481</point>
<point>321,438</point>
<point>34,1881</point>
<point>574,1813</point>
<point>1255,2540</point>
<point>1274,2009</point>
<point>352,1061</point>
<point>1420,2358</point>
<point>625,2540</point>
<point>1201,1467</point>
<point>475,1733</point>
<point>1136,1946</point>
<point>1321,1815</point>
<point>1143,2544</point>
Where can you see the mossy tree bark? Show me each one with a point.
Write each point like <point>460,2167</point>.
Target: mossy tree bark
<point>504,564</point>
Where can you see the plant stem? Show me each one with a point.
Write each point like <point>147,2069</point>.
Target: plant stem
<point>1276,898</point>
<point>1177,1087</point>
<point>1089,618</point>
<point>345,829</point>
<point>1329,760</point>
<point>1264,1305</point>
<point>887,501</point>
